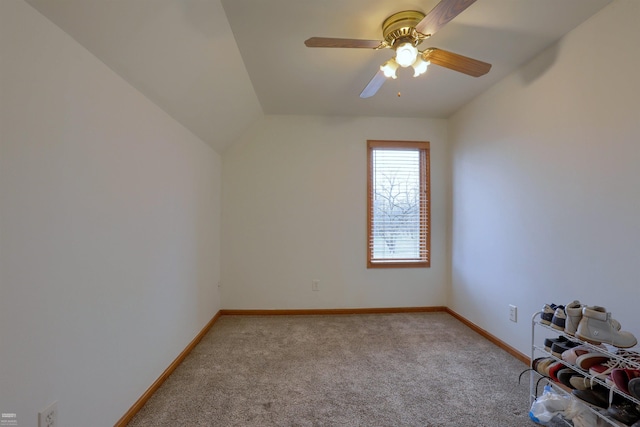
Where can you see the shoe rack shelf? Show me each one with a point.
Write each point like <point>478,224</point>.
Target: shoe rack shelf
<point>535,377</point>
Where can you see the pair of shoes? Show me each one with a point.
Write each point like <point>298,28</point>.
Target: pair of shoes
<point>547,313</point>
<point>597,326</point>
<point>621,378</point>
<point>573,312</point>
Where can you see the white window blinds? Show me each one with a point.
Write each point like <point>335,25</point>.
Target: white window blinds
<point>398,204</point>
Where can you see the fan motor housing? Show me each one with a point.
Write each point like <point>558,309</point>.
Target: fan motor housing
<point>401,27</point>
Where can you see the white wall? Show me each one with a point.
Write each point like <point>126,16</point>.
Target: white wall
<point>294,210</point>
<point>109,230</point>
<point>546,169</point>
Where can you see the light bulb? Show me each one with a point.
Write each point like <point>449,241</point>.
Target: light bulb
<point>406,54</point>
<point>420,66</point>
<point>389,68</point>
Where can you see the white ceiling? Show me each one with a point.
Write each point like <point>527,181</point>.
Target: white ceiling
<point>218,65</point>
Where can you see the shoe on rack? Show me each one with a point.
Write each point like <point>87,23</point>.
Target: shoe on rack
<point>626,412</point>
<point>559,318</point>
<point>542,367</point>
<point>622,376</point>
<point>630,356</point>
<point>553,370</point>
<point>634,387</point>
<point>558,349</point>
<point>536,362</point>
<point>547,313</point>
<point>548,342</point>
<point>623,363</point>
<point>573,313</point>
<point>603,370</point>
<point>579,382</point>
<point>586,361</point>
<point>596,396</point>
<point>564,376</point>
<point>596,327</point>
<point>571,355</point>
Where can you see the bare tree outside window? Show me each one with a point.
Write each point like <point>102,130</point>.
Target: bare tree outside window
<point>396,204</point>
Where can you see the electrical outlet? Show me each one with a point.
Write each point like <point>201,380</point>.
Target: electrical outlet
<point>513,313</point>
<point>315,285</point>
<point>49,416</point>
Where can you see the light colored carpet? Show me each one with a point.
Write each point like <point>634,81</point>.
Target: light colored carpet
<point>408,369</point>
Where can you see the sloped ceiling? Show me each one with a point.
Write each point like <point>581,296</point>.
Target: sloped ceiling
<point>216,66</point>
<point>181,54</point>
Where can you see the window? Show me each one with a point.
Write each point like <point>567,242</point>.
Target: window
<point>398,202</point>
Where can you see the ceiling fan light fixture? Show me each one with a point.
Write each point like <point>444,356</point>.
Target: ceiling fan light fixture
<point>403,32</point>
<point>389,68</point>
<point>406,54</point>
<point>420,66</point>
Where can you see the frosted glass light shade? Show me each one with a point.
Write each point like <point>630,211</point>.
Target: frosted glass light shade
<point>389,68</point>
<point>406,54</point>
<point>420,66</point>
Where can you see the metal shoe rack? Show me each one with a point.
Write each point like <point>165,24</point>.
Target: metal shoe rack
<point>539,351</point>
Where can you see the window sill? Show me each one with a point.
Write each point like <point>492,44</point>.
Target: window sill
<point>391,264</point>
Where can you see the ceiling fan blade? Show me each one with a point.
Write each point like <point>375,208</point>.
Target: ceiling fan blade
<point>453,61</point>
<point>444,12</point>
<point>349,43</point>
<point>374,84</point>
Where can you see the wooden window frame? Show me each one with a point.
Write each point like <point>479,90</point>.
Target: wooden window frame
<point>425,211</point>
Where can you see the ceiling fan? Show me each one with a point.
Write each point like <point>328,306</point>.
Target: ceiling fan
<point>403,32</point>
